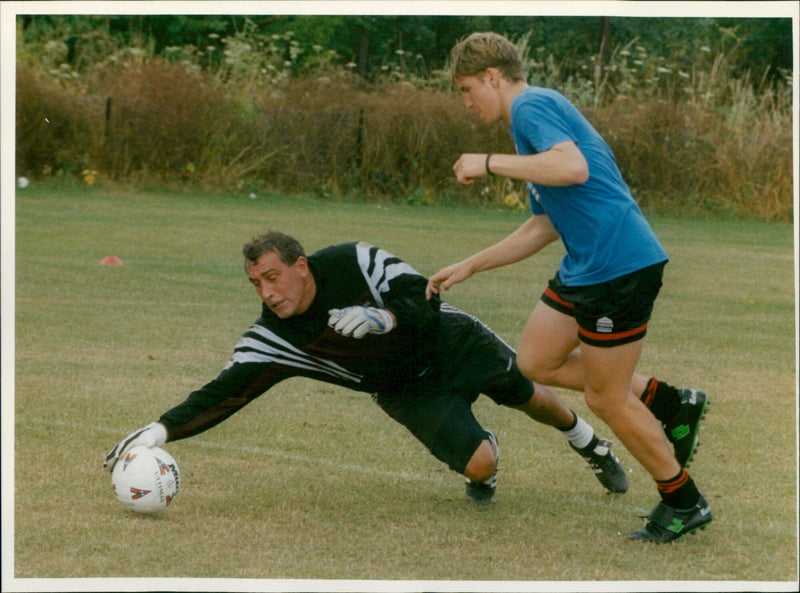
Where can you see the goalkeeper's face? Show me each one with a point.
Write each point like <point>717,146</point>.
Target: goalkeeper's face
<point>286,290</point>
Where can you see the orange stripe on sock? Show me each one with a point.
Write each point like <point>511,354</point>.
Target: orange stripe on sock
<point>674,484</point>
<point>650,392</point>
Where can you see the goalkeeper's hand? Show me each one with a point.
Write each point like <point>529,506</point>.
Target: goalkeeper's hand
<point>357,322</point>
<point>152,435</point>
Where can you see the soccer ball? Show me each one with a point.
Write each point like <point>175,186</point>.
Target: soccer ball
<point>146,480</point>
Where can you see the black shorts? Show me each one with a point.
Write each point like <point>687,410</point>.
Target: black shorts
<point>435,407</point>
<point>612,313</point>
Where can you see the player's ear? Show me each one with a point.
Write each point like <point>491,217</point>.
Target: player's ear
<point>301,266</point>
<point>493,76</point>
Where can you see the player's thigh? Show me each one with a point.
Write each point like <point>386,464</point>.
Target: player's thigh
<point>479,361</point>
<point>547,341</point>
<point>442,421</point>
<point>608,373</point>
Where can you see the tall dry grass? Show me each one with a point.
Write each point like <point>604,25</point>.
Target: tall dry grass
<point>56,131</point>
<point>681,157</point>
<point>686,142</point>
<point>162,118</point>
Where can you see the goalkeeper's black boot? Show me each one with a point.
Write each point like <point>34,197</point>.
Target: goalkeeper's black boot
<point>666,523</point>
<point>683,429</point>
<point>605,465</point>
<point>482,492</point>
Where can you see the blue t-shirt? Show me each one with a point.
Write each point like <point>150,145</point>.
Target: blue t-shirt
<point>601,226</point>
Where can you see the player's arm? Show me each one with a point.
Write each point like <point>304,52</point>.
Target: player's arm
<point>239,383</point>
<point>534,234</point>
<point>219,399</point>
<point>407,300</point>
<point>399,290</point>
<point>561,165</point>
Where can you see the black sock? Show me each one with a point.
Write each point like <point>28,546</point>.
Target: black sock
<point>679,492</point>
<point>662,399</point>
<point>572,424</point>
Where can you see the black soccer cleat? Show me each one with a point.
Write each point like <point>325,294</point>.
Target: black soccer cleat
<point>482,492</point>
<point>605,466</point>
<point>666,524</point>
<point>683,430</point>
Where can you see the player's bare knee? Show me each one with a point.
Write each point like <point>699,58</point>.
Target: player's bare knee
<point>601,405</point>
<point>533,369</point>
<point>482,464</point>
<point>597,407</point>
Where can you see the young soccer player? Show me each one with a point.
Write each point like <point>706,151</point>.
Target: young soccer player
<point>588,330</point>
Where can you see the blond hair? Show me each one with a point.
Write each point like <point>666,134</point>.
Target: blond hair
<point>478,51</point>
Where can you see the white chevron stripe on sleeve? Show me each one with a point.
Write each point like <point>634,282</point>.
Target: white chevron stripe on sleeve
<point>269,347</point>
<point>377,272</point>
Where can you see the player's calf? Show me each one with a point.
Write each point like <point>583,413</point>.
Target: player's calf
<point>481,488</point>
<point>683,430</point>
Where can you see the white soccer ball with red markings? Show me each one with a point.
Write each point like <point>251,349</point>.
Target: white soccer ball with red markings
<point>146,479</point>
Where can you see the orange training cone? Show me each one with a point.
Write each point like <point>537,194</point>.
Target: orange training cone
<point>111,260</point>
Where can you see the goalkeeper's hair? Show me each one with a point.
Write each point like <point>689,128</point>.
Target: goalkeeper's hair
<point>288,248</point>
<point>475,53</point>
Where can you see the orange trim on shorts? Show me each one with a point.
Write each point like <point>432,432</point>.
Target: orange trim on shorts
<point>612,337</point>
<point>550,294</point>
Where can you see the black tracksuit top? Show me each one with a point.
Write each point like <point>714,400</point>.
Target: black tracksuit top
<point>273,349</point>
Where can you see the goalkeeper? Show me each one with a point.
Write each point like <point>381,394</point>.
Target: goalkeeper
<point>357,316</point>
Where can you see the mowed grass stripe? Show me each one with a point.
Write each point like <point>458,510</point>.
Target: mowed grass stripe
<point>313,481</point>
<point>253,449</point>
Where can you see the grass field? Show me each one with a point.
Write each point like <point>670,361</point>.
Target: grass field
<point>313,482</point>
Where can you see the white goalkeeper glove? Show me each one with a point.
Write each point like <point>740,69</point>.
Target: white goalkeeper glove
<point>357,322</point>
<point>152,435</point>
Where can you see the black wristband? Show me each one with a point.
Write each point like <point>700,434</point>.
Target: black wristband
<point>488,170</point>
